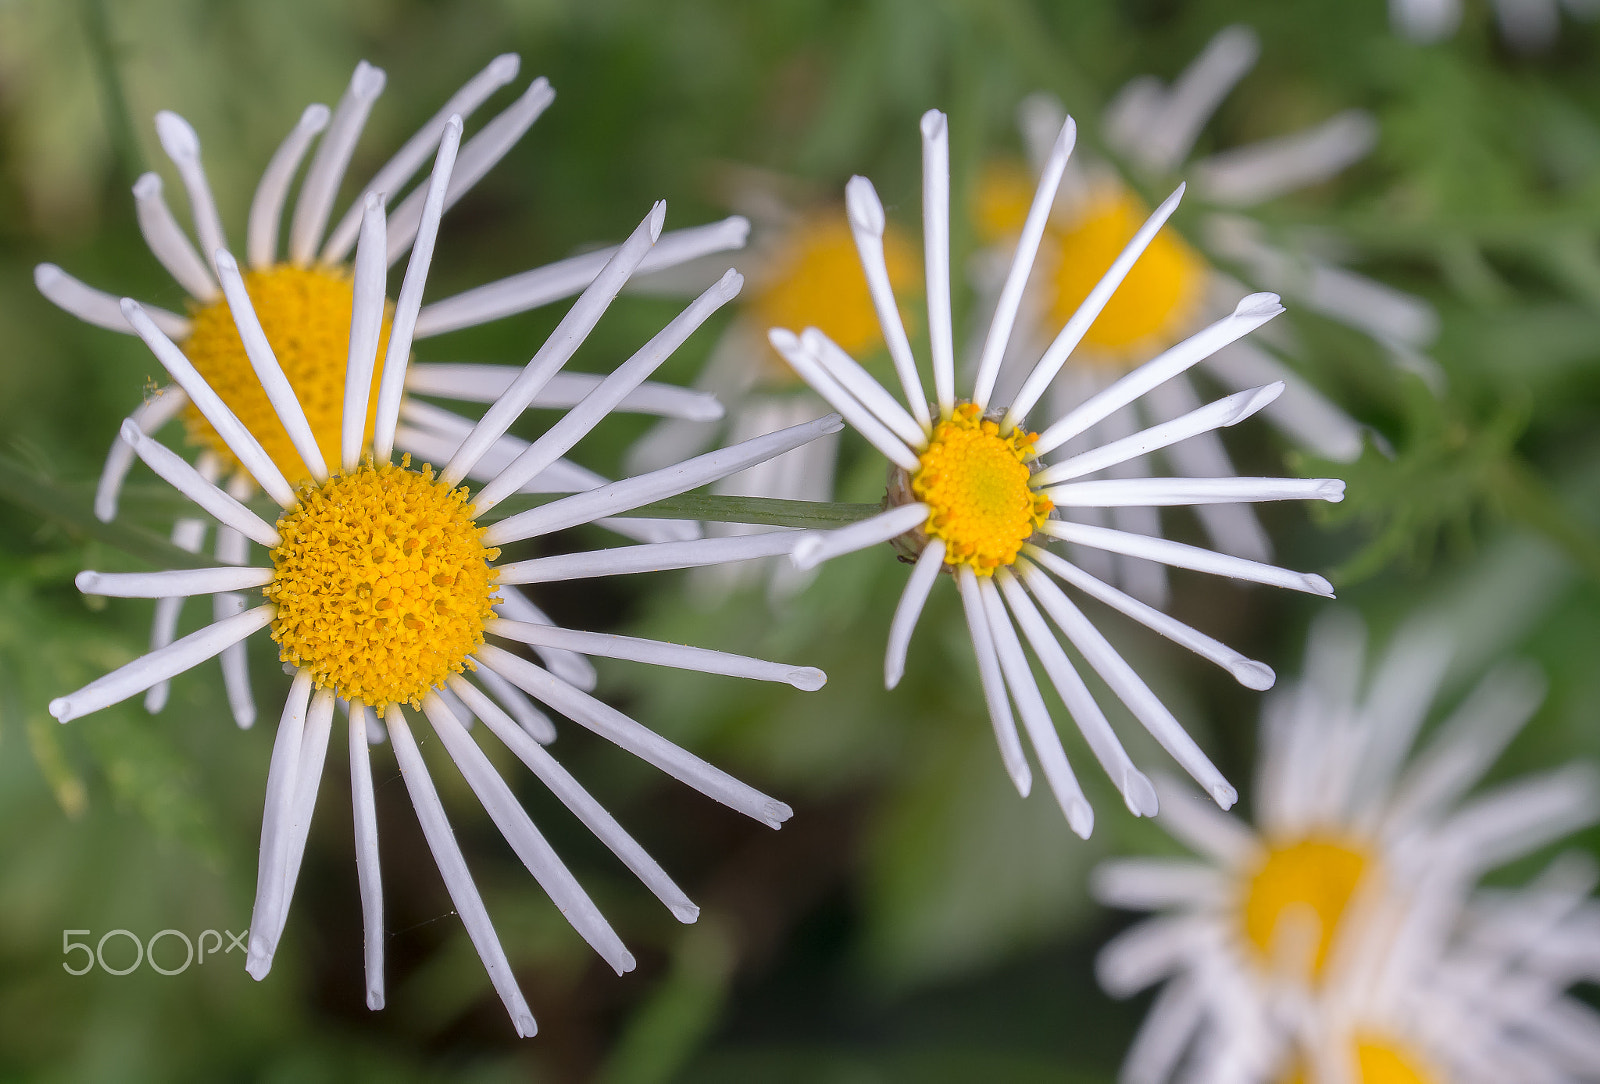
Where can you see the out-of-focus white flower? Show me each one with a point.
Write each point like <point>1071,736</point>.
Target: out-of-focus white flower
<point>1175,290</point>
<point>1529,26</point>
<point>802,270</point>
<point>382,587</point>
<point>303,304</point>
<point>968,496</point>
<point>1331,923</point>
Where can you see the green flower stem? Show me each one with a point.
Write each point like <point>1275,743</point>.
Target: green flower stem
<point>119,120</point>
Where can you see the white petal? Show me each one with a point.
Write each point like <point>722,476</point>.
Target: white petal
<point>863,387</point>
<point>187,534</point>
<point>187,581</point>
<point>653,557</point>
<point>234,549</point>
<point>1180,555</point>
<point>98,307</point>
<point>514,700</point>
<point>569,666</point>
<point>327,168</point>
<point>266,209</point>
<point>178,139</point>
<point>1256,172</point>
<point>296,828</point>
<point>1120,492</point>
<point>188,481</point>
<point>167,241</point>
<point>1195,95</point>
<point>865,213</point>
<point>920,584</point>
<point>994,688</point>
<point>283,774</point>
<point>366,325</point>
<point>861,419</point>
<point>815,547</point>
<point>364,812</point>
<point>1151,884</point>
<point>485,383</point>
<point>1302,413</point>
<point>936,254</point>
<point>150,416</point>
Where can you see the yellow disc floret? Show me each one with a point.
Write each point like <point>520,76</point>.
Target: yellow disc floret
<point>975,483</point>
<point>1156,303</point>
<point>382,583</point>
<point>815,280</point>
<point>1379,1061</point>
<point>305,312</point>
<point>1310,879</point>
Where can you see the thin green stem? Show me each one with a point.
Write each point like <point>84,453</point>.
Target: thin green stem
<point>108,72</point>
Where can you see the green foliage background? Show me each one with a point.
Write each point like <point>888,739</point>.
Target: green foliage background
<point>915,921</point>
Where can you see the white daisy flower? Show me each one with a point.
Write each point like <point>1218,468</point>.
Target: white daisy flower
<point>303,304</point>
<point>1529,26</point>
<point>803,270</point>
<point>968,496</point>
<point>1288,926</point>
<point>381,590</point>
<point>1174,291</point>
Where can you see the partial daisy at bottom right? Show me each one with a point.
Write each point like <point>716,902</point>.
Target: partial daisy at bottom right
<point>1342,938</point>
<point>968,496</point>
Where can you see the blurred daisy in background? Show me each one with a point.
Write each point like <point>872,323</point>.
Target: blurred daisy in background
<point>968,495</point>
<point>803,270</point>
<point>382,587</point>
<point>1529,26</point>
<point>303,301</point>
<point>1332,915</point>
<point>1175,289</point>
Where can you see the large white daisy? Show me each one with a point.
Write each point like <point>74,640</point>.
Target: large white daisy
<point>382,587</point>
<point>1332,910</point>
<point>968,497</point>
<point>303,301</point>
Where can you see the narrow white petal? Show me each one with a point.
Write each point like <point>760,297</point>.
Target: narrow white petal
<point>579,801</point>
<point>283,774</point>
<point>657,653</point>
<point>406,307</point>
<point>564,278</point>
<point>364,812</point>
<point>178,139</point>
<point>652,557</point>
<point>569,666</point>
<point>1248,672</point>
<point>1152,884</point>
<point>233,548</point>
<point>327,168</point>
<point>1195,95</point>
<point>862,420</point>
<point>1230,410</point>
<point>483,383</point>
<point>279,392</point>
<point>636,492</point>
<point>296,827</point>
<point>637,739</point>
<point>478,156</point>
<point>1078,324</point>
<point>1122,492</point>
<point>98,307</point>
<point>994,688</point>
<point>1518,818</point>
<point>906,612</point>
<point>558,348</point>
<point>1137,792</point>
<point>815,547</point>
<point>196,581</point>
<point>1128,686</point>
<point>519,831</point>
<point>366,325</point>
<point>187,534</point>
<point>228,427</point>
<point>266,208</point>
<point>1169,1028</point>
<point>225,509</point>
<point>581,419</point>
<point>867,222</point>
<point>453,868</point>
<point>864,387</point>
<point>1035,716</point>
<point>1180,555</point>
<point>1248,175</point>
<point>516,702</point>
<point>150,416</point>
<point>167,241</point>
<point>1303,414</point>
<point>394,173</point>
<point>1005,312</point>
<point>936,254</point>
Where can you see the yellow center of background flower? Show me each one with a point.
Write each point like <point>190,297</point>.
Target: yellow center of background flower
<point>382,583</point>
<point>975,483</point>
<point>815,280</point>
<point>1378,1061</point>
<point>1158,301</point>
<point>305,312</point>
<point>1308,880</point>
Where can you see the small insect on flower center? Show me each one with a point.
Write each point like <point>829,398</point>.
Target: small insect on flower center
<point>305,312</point>
<point>974,480</point>
<point>1295,899</point>
<point>1155,305</point>
<point>815,280</point>
<point>382,583</point>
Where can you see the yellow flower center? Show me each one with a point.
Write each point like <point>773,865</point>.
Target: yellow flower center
<point>1155,305</point>
<point>382,583</point>
<point>1302,889</point>
<point>815,280</point>
<point>305,312</point>
<point>975,483</point>
<point>1380,1061</point>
